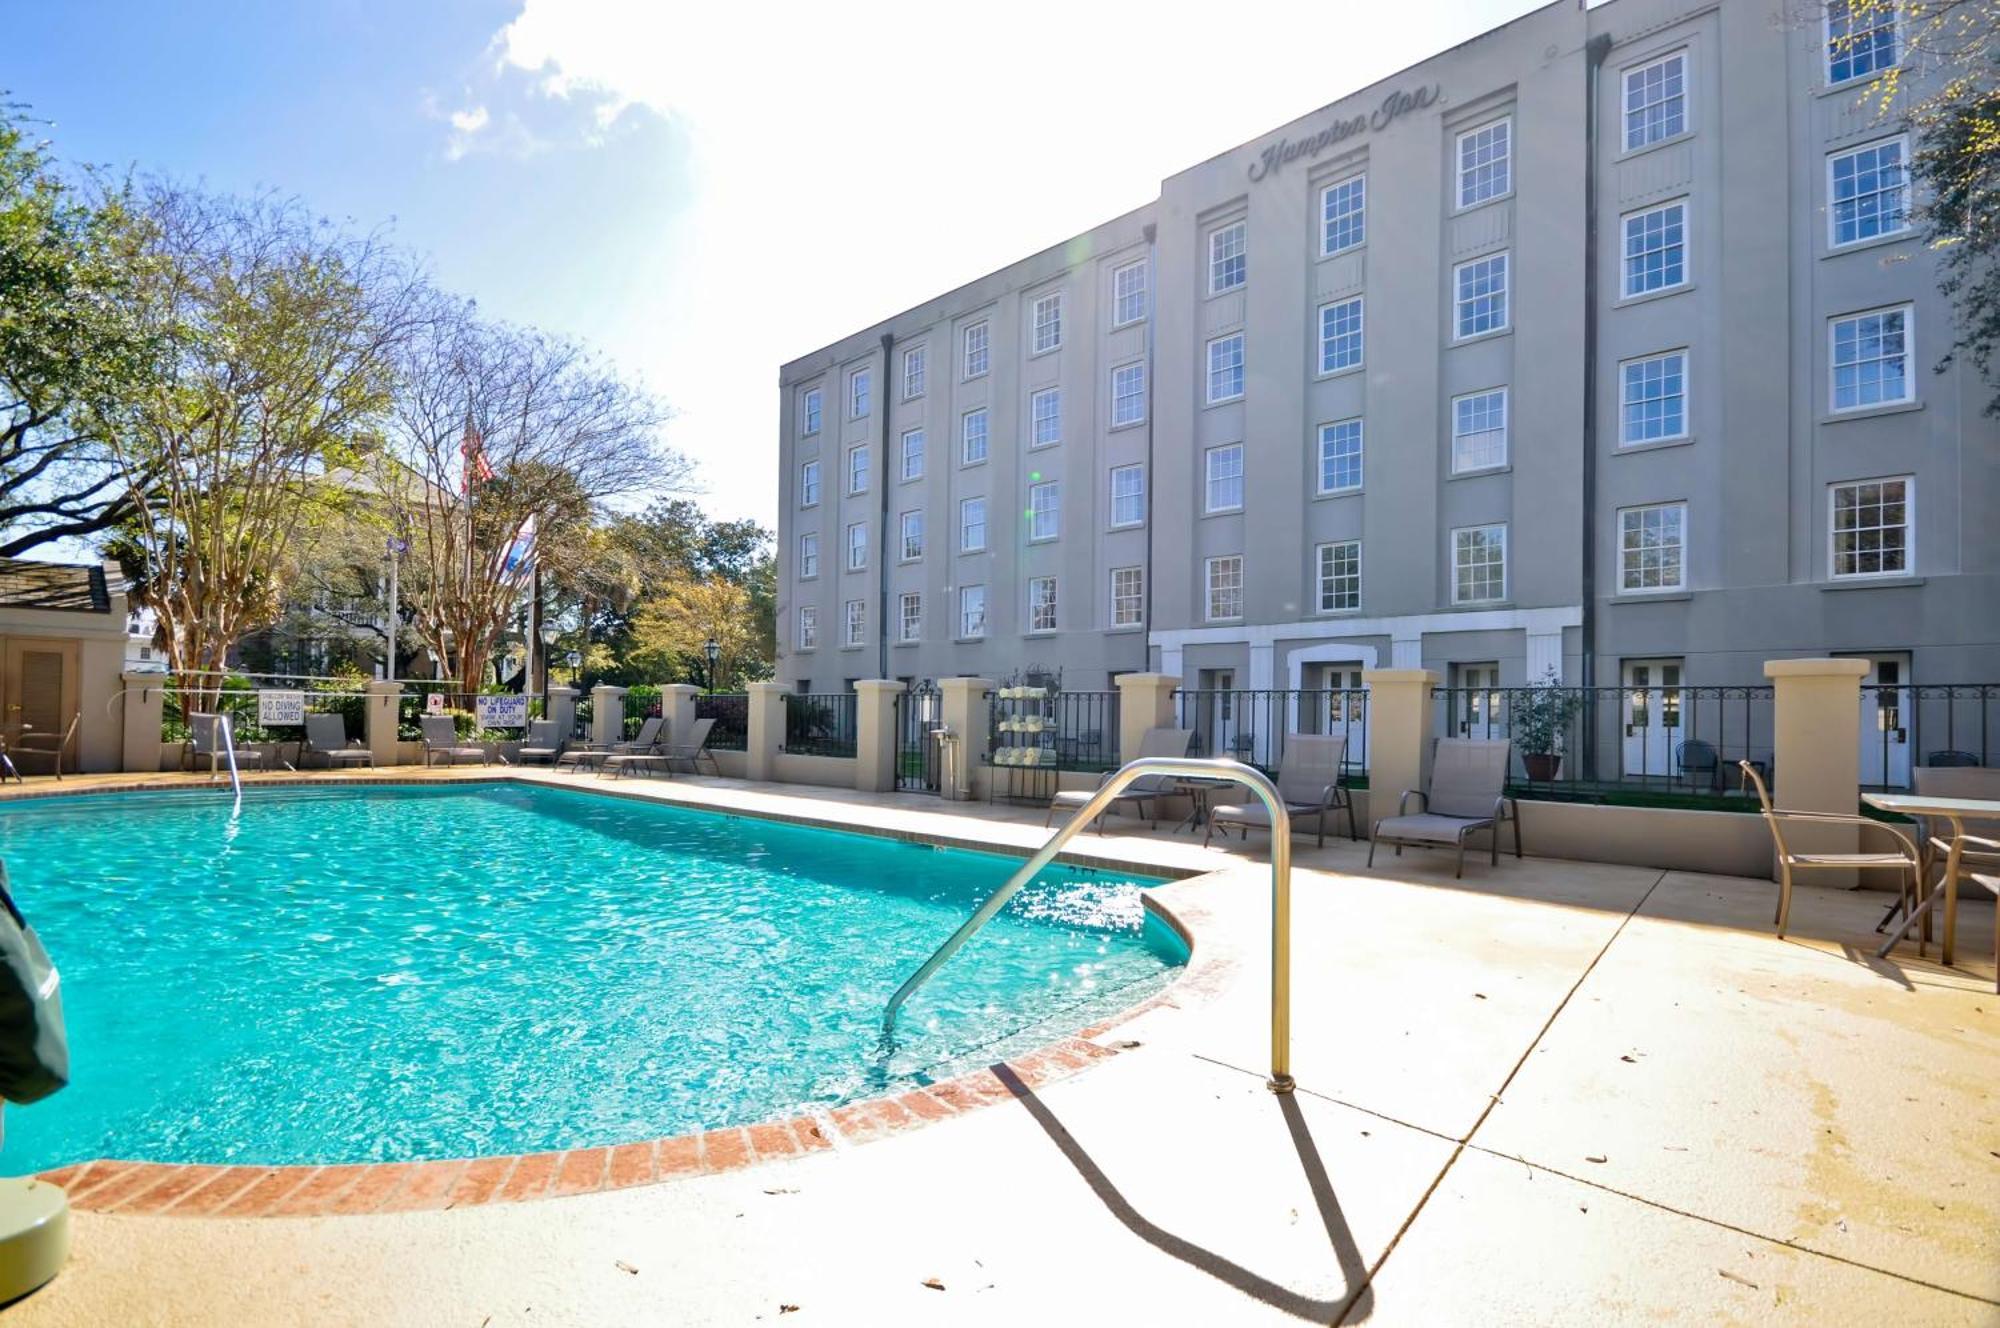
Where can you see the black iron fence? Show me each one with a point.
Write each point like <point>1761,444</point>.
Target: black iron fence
<point>1926,724</point>
<point>253,718</point>
<point>731,713</point>
<point>820,724</point>
<point>1086,730</point>
<point>1251,725</point>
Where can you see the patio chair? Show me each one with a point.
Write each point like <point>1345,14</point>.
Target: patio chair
<point>693,750</point>
<point>544,744</point>
<point>1904,863</point>
<point>1309,782</point>
<point>1952,758</point>
<point>648,751</point>
<point>1699,763</point>
<point>1143,793</point>
<point>203,740</point>
<point>326,735</point>
<point>39,746</point>
<point>1468,793</point>
<point>441,739</point>
<point>1979,855</point>
<point>646,741</point>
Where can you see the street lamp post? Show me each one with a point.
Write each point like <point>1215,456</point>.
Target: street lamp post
<point>713,649</point>
<point>575,663</point>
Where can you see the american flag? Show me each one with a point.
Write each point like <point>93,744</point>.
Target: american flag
<point>472,455</point>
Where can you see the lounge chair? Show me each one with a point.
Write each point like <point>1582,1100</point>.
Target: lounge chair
<point>648,751</point>
<point>1905,863</point>
<point>647,740</point>
<point>693,750</point>
<point>1143,793</point>
<point>1468,793</point>
<point>441,739</point>
<point>543,746</point>
<point>1308,781</point>
<point>326,735</point>
<point>204,740</point>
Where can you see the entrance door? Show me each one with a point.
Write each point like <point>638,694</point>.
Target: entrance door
<point>38,694</point>
<point>1219,724</point>
<point>1336,705</point>
<point>1888,712</point>
<point>1652,716</point>
<point>1477,704</point>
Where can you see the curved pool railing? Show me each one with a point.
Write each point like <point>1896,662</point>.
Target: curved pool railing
<point>1281,889</point>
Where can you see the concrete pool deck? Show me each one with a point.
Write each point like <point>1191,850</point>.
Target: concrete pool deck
<point>1550,1092</point>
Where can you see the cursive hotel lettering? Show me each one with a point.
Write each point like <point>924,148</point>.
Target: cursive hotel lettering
<point>1393,106</point>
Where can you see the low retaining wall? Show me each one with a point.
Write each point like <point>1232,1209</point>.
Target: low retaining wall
<point>1672,839</point>
<point>820,771</point>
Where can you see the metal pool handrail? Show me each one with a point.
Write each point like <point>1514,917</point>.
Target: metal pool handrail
<point>1281,889</point>
<point>225,732</point>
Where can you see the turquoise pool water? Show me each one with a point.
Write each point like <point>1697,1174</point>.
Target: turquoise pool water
<point>390,973</point>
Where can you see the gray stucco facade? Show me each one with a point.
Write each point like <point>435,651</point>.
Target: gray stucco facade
<point>1558,349</point>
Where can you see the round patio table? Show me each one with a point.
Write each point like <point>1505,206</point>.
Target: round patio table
<point>1957,811</point>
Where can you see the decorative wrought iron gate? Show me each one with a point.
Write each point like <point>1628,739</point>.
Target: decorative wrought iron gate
<point>919,714</point>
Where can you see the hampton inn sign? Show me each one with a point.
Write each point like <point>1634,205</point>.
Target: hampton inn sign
<point>1393,106</point>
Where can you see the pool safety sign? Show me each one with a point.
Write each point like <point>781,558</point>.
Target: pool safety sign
<point>277,709</point>
<point>503,712</point>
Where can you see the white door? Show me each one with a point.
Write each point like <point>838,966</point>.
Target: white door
<point>1652,716</point>
<point>1219,724</point>
<point>1887,711</point>
<point>1479,708</point>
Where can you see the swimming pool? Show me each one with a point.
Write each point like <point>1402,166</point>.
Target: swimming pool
<point>394,973</point>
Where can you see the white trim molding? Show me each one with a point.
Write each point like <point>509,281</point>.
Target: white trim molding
<point>1544,628</point>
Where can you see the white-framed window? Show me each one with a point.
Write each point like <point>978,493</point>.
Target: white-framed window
<point>1128,596</point>
<point>1479,430</point>
<point>857,546</point>
<point>1223,468</point>
<point>809,484</point>
<point>909,616</point>
<point>1128,293</point>
<point>808,627</point>
<point>1479,295</point>
<point>971,525</point>
<point>1343,215</point>
<point>913,454</point>
<point>854,623</point>
<point>1868,527</point>
<point>1045,417</point>
<point>1340,335</point>
<point>1655,100</point>
<point>912,526</point>
<point>1339,576</point>
<point>1128,394</point>
<point>1128,496</point>
<point>1652,398</point>
<point>1478,564</point>
<point>1340,456</point>
<point>857,468</point>
<point>1225,368</point>
<point>1871,358</point>
<point>1656,248</point>
<point>1045,324</point>
<point>1225,586</point>
<point>977,349</point>
<point>1868,191</point>
<point>914,372</point>
<point>1044,510</point>
<point>860,383</point>
<point>1042,604</point>
<point>1485,158</point>
<point>809,555</point>
<point>809,412</point>
<point>972,611</point>
<point>972,436</point>
<point>1861,39</point>
<point>1228,257</point>
<point>1652,547</point>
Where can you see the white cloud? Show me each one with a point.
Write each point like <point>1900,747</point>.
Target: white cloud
<point>469,122</point>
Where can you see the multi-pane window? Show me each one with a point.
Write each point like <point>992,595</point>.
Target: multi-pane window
<point>1128,394</point>
<point>1225,587</point>
<point>810,410</point>
<point>1871,359</point>
<point>1128,596</point>
<point>1870,527</point>
<point>1225,478</point>
<point>1128,293</point>
<point>913,454</point>
<point>1340,456</point>
<point>971,525</point>
<point>1656,248</point>
<point>1479,430</point>
<point>1045,417</point>
<point>857,546</point>
<point>1485,162</point>
<point>1044,507</point>
<point>909,616</point>
<point>977,349</point>
<point>1656,101</point>
<point>1343,214</point>
<point>972,436</point>
<point>1340,576</point>
<point>1478,564</point>
<point>1868,191</point>
<point>854,622</point>
<point>1225,368</point>
<point>859,384</point>
<point>1652,544</point>
<point>1228,257</point>
<point>1652,398</point>
<point>1340,335</point>
<point>1042,604</point>
<point>1046,323</point>
<point>857,469</point>
<point>913,535</point>
<point>809,484</point>
<point>972,611</point>
<point>1128,495</point>
<point>808,555</point>
<point>913,372</point>
<point>808,627</point>
<point>1860,38</point>
<point>1479,296</point>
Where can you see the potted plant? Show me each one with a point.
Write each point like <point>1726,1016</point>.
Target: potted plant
<point>1540,727</point>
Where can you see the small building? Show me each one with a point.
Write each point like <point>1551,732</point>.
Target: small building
<point>63,637</point>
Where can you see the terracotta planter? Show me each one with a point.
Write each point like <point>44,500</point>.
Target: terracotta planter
<point>1541,766</point>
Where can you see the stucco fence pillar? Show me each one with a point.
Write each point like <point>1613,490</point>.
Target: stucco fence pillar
<point>962,709</point>
<point>766,729</point>
<point>1399,735</point>
<point>607,714</point>
<point>562,709</point>
<point>1816,753</point>
<point>1145,701</point>
<point>875,734</point>
<point>677,706</point>
<point>385,703</point>
<point>145,704</point>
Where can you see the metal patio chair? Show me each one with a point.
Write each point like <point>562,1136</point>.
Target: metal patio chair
<point>1309,782</point>
<point>1790,860</point>
<point>1467,794</point>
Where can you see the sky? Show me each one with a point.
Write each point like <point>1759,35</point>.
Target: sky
<point>701,192</point>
